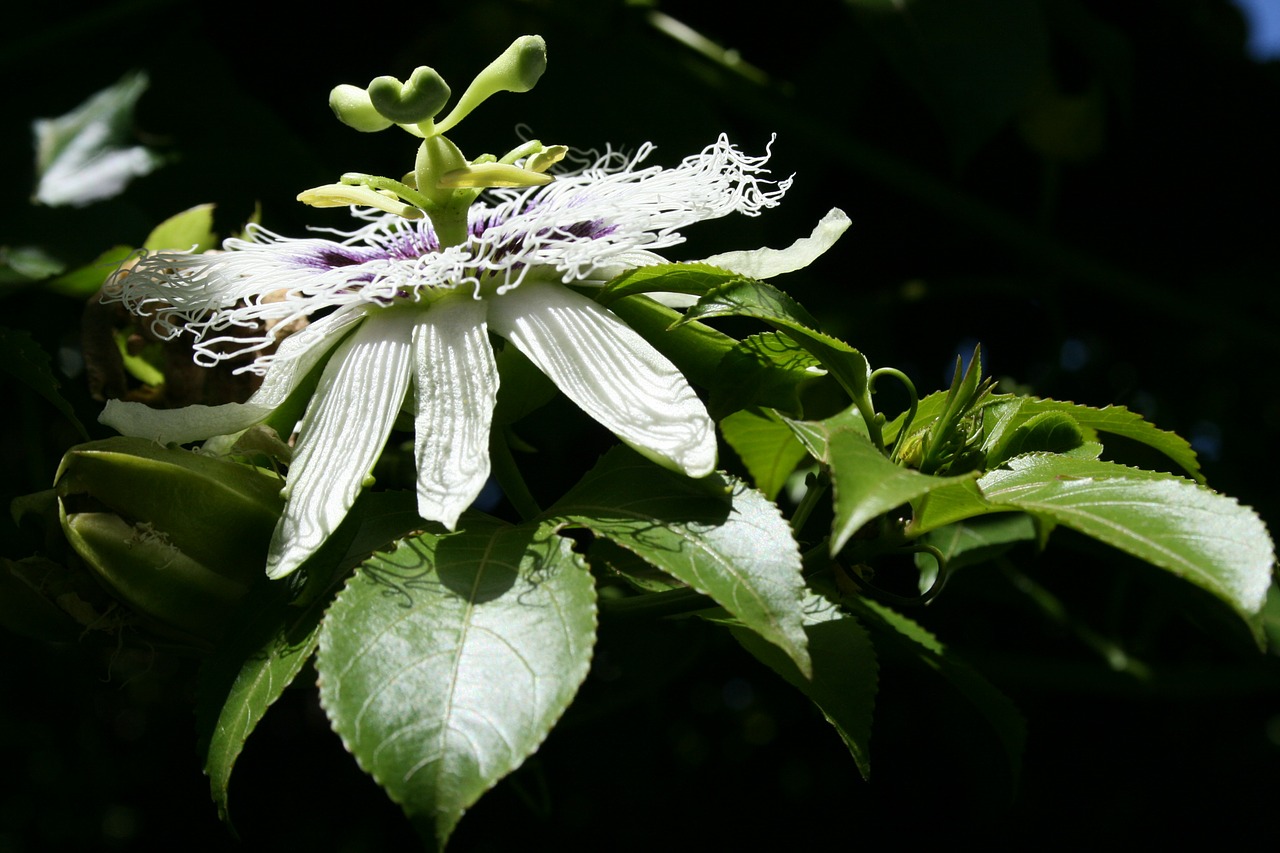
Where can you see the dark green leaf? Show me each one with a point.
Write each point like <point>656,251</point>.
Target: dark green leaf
<point>1046,432</point>
<point>268,646</point>
<point>1006,721</point>
<point>1117,420</point>
<point>27,362</point>
<point>274,637</point>
<point>764,302</point>
<point>978,540</point>
<point>845,673</point>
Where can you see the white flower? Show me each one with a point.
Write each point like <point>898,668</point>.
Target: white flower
<point>407,322</point>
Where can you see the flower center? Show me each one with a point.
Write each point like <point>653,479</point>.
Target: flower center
<point>444,183</point>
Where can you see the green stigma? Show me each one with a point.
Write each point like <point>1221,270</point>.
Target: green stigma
<point>443,183</point>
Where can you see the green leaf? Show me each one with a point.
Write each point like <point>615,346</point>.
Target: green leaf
<point>845,673</point>
<point>1046,432</point>
<point>761,301</point>
<point>865,483</point>
<point>978,540</point>
<point>26,361</point>
<point>266,649</point>
<point>767,370</point>
<point>695,348</point>
<point>766,446</point>
<point>85,281</point>
<point>274,637</point>
<point>1271,619</point>
<point>1117,420</point>
<point>745,297</point>
<point>190,230</point>
<point>692,278</point>
<point>444,664</point>
<point>721,538</point>
<point>947,505</point>
<point>22,265</point>
<point>1193,532</point>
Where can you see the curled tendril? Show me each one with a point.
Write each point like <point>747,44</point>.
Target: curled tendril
<point>911,408</point>
<point>928,595</point>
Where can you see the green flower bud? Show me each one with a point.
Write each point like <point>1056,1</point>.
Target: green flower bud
<point>176,536</point>
<point>413,102</point>
<point>353,108</point>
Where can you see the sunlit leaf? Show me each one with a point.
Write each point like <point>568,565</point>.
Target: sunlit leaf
<point>192,230</point>
<point>1198,534</point>
<point>720,537</point>
<point>864,482</point>
<point>666,278</point>
<point>444,664</point>
<point>766,446</point>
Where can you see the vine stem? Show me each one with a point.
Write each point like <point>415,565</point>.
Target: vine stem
<point>814,491</point>
<point>655,605</point>
<point>509,477</point>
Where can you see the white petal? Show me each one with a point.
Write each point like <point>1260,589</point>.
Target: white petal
<point>295,357</point>
<point>344,431</point>
<point>191,423</point>
<point>766,263</point>
<point>457,387</point>
<point>615,375</point>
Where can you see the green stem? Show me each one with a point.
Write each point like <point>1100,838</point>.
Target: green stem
<point>654,605</point>
<point>816,488</point>
<point>509,478</point>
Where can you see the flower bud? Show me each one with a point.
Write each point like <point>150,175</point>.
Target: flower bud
<point>176,536</point>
